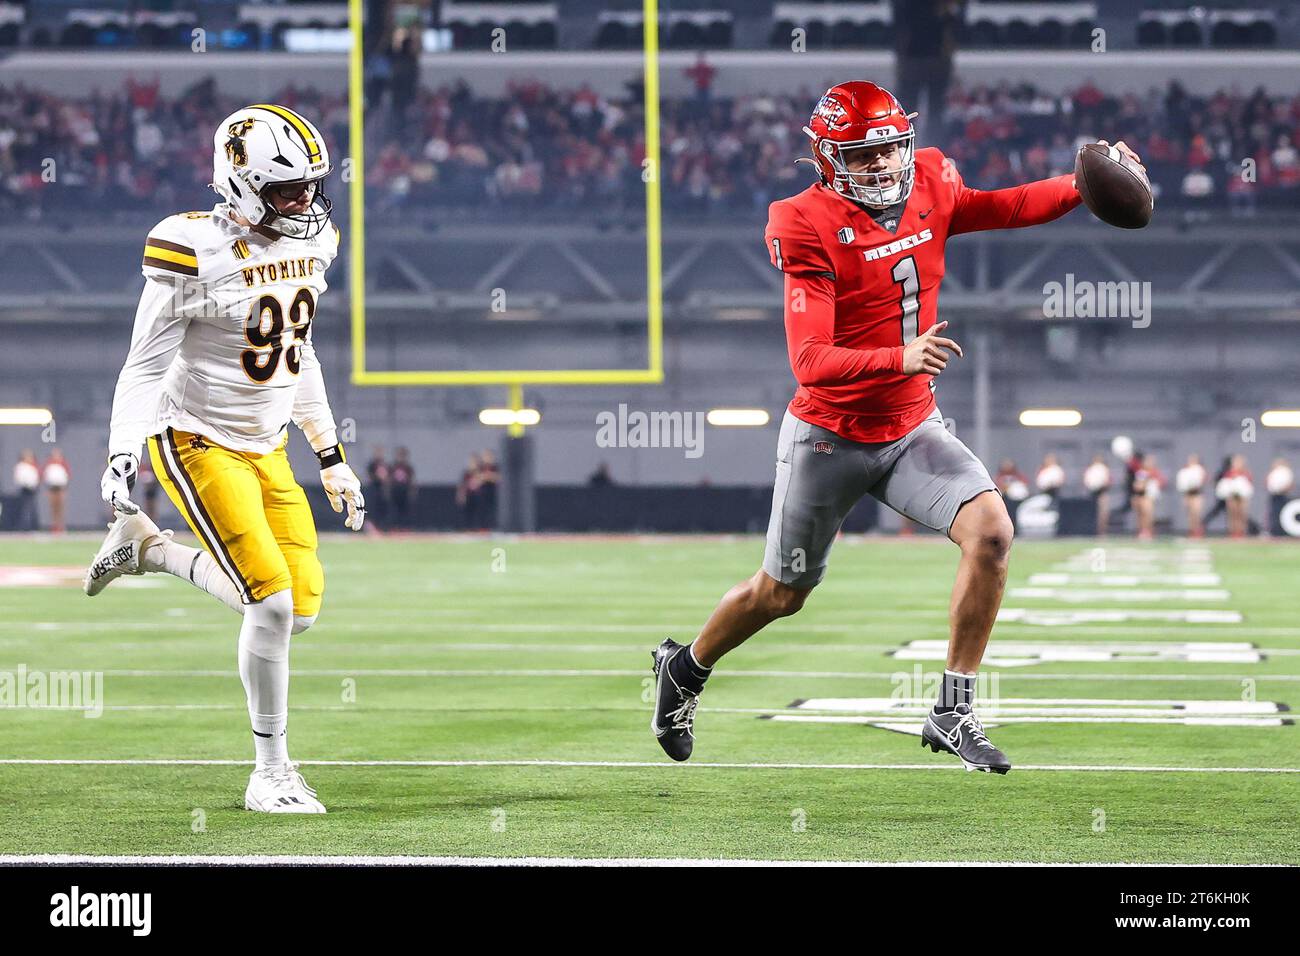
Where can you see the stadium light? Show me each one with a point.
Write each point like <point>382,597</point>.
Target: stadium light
<point>509,416</point>
<point>1281,418</point>
<point>738,417</point>
<point>26,416</point>
<point>1050,417</point>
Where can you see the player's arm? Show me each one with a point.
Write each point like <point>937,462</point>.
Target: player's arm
<point>160,325</point>
<point>1028,205</point>
<point>810,333</point>
<point>796,250</point>
<point>311,413</point>
<point>816,361</point>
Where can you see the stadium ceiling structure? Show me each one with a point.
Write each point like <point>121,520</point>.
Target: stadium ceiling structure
<point>587,273</point>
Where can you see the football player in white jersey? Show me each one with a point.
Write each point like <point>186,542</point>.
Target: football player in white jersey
<point>221,359</point>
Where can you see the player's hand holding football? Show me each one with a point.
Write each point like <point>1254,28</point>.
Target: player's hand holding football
<point>344,488</point>
<point>115,486</point>
<point>1126,151</point>
<point>1123,147</point>
<point>927,354</point>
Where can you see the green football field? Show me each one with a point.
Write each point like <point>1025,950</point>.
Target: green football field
<point>468,697</point>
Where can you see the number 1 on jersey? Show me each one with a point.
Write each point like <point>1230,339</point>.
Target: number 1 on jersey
<point>905,274</point>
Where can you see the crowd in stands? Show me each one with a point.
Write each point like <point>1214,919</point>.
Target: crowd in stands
<point>139,149</point>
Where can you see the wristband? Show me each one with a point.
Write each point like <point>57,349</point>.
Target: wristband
<point>331,456</point>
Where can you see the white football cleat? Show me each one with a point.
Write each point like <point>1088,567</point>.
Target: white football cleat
<point>128,536</point>
<point>281,790</point>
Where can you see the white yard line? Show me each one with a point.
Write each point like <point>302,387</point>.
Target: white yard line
<point>633,765</point>
<point>916,723</point>
<point>416,672</point>
<point>229,673</point>
<point>1078,595</point>
<point>1066,617</point>
<point>1061,579</point>
<point>990,714</point>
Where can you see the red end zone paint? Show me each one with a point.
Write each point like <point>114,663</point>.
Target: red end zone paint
<point>39,576</point>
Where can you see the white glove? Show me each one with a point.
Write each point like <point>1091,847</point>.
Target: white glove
<point>119,478</point>
<point>342,486</point>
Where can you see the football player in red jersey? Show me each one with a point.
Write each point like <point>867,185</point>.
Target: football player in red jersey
<point>863,256</point>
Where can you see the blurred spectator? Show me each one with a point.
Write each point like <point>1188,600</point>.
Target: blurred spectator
<point>378,490</point>
<point>1190,482</point>
<point>1051,477</point>
<point>1280,483</point>
<point>601,478</point>
<point>1235,489</point>
<point>467,491</point>
<point>1131,467</point>
<point>1011,482</point>
<point>55,475</point>
<point>1148,482</point>
<point>27,480</point>
<point>402,485</point>
<point>701,75</point>
<point>1220,495</point>
<point>1096,479</point>
<point>489,482</point>
<point>476,495</point>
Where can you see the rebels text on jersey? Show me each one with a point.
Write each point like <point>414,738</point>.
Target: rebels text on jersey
<point>856,293</point>
<point>222,345</point>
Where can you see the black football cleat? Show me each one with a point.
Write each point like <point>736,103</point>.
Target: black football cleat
<point>959,732</point>
<point>676,698</point>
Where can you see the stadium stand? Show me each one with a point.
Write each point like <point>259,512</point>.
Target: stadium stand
<point>542,148</point>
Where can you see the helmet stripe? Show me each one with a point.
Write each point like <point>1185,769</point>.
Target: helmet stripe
<point>298,123</point>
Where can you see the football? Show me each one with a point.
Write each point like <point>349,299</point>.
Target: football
<point>1113,187</point>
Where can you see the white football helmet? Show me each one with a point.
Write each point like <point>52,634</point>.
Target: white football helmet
<point>263,146</point>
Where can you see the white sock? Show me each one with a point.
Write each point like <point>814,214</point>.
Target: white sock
<point>264,669</point>
<point>193,565</point>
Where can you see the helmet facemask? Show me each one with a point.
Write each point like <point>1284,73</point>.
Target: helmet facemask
<point>309,223</point>
<point>877,189</point>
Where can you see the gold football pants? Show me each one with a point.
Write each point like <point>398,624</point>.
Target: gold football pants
<point>249,512</point>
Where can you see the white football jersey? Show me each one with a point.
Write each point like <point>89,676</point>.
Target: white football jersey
<point>225,321</point>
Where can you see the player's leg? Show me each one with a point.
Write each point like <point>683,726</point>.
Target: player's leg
<point>744,611</point>
<point>983,531</point>
<point>209,569</point>
<point>219,492</point>
<point>135,545</point>
<point>289,516</point>
<point>276,786</point>
<point>937,481</point>
<point>819,478</point>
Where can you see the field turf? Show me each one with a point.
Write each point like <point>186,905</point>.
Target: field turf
<point>488,697</point>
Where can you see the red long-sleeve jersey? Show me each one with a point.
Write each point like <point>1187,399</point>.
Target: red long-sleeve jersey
<point>857,293</point>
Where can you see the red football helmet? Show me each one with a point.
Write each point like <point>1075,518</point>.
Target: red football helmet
<point>852,116</point>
